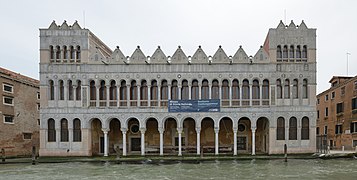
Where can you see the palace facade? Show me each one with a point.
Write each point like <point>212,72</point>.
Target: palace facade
<point>96,101</point>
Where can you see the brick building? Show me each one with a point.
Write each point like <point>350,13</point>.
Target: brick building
<point>337,113</point>
<point>19,112</point>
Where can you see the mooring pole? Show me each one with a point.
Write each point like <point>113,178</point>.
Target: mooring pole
<point>286,152</point>
<point>3,157</point>
<point>33,155</point>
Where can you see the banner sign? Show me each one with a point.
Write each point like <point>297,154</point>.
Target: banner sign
<point>207,105</point>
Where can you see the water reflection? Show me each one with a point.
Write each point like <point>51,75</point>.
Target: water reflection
<point>235,169</point>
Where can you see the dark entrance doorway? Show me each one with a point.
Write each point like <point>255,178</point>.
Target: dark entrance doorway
<point>135,144</point>
<point>242,143</point>
<point>101,146</point>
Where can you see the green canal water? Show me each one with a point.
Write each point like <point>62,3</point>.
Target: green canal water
<point>344,169</point>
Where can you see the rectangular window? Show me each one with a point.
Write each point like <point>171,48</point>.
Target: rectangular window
<point>27,136</point>
<point>8,119</point>
<point>8,88</point>
<point>38,106</point>
<point>332,95</point>
<point>317,130</point>
<point>325,130</point>
<point>354,103</point>
<point>326,97</point>
<point>353,127</point>
<point>318,101</point>
<point>38,96</point>
<point>326,111</point>
<point>7,100</point>
<point>338,129</point>
<point>339,108</point>
<point>318,114</point>
<point>343,89</point>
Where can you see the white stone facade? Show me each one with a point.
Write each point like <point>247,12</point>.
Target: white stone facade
<point>94,99</point>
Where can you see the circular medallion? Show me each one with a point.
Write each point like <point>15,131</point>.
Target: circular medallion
<point>134,128</point>
<point>55,76</point>
<point>158,76</point>
<point>241,127</point>
<point>128,76</point>
<point>96,76</point>
<point>138,76</point>
<point>106,76</point>
<point>260,75</point>
<point>200,76</point>
<point>84,77</point>
<point>179,76</point>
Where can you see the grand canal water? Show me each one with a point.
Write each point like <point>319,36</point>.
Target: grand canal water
<point>241,169</point>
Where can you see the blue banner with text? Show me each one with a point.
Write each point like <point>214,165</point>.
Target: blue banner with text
<point>205,105</point>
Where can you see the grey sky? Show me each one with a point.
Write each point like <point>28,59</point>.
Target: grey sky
<point>188,23</point>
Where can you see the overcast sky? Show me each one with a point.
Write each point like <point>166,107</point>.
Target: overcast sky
<point>188,23</point>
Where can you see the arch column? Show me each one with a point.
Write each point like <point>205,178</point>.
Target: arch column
<point>260,94</point>
<point>142,130</point>
<point>158,95</point>
<point>128,95</point>
<point>230,94</point>
<point>169,91</point>
<point>107,98</point>
<point>199,91</point>
<point>189,91</point>
<point>105,132</point>
<point>138,98</point>
<point>123,130</point>
<point>179,130</point>
<point>235,130</point>
<point>97,96</point>
<point>118,95</point>
<point>209,91</point>
<point>250,94</point>
<point>149,95</point>
<point>161,131</point>
<point>198,130</point>
<point>179,91</point>
<point>240,94</point>
<point>253,140</point>
<point>216,145</point>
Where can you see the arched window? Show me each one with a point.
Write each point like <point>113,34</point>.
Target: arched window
<point>154,93</point>
<point>279,89</point>
<point>245,89</point>
<point>280,129</point>
<point>215,89</point>
<point>305,128</point>
<point>65,52</point>
<point>184,90</point>
<point>287,89</point>
<point>61,90</point>
<point>291,52</point>
<point>72,52</point>
<point>278,52</point>
<point>255,89</point>
<point>205,89</point>
<point>70,90</point>
<point>102,91</point>
<point>304,52</point>
<point>133,92</point>
<point>144,93</point>
<point>295,89</point>
<point>51,90</point>
<point>293,128</point>
<point>265,89</point>
<point>123,93</point>
<point>113,92</point>
<point>64,130</point>
<point>304,89</point>
<point>51,133</point>
<point>78,90</point>
<point>225,89</point>
<point>93,93</point>
<point>285,52</point>
<point>52,53</point>
<point>164,90</point>
<point>235,89</point>
<point>174,90</point>
<point>58,52</point>
<point>77,134</point>
<point>298,52</point>
<point>194,90</point>
<point>78,52</point>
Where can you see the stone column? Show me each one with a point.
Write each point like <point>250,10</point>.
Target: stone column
<point>260,94</point>
<point>253,140</point>
<point>149,95</point>
<point>189,91</point>
<point>128,95</point>
<point>209,91</point>
<point>240,94</point>
<point>74,93</point>
<point>158,95</point>
<point>199,91</point>
<point>179,130</point>
<point>216,147</point>
<point>65,91</point>
<point>179,91</point>
<point>198,130</point>
<point>169,91</point>
<point>105,132</point>
<point>138,87</point>
<point>250,94</point>
<point>108,97</point>
<point>143,141</point>
<point>97,95</point>
<point>55,92</point>
<point>118,95</point>
<point>235,130</point>
<point>230,94</point>
<point>161,131</point>
<point>123,130</point>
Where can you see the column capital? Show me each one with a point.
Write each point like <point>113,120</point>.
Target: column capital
<point>216,130</point>
<point>124,130</point>
<point>198,129</point>
<point>235,130</point>
<point>142,130</point>
<point>253,129</point>
<point>179,130</point>
<point>161,130</point>
<point>105,130</point>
